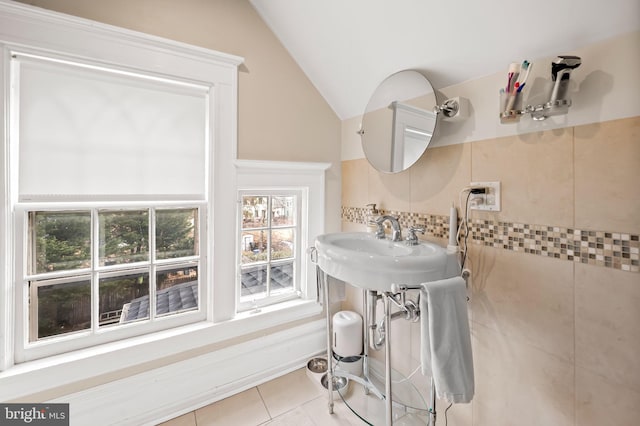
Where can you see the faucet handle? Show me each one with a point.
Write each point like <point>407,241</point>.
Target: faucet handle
<point>412,238</point>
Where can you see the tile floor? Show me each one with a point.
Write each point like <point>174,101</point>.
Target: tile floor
<point>290,400</point>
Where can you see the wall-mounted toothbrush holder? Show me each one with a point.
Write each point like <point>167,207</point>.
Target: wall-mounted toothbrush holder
<point>511,107</point>
<point>558,104</point>
<point>538,112</point>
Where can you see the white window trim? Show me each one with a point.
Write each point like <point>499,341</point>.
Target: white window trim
<point>27,27</point>
<point>309,178</point>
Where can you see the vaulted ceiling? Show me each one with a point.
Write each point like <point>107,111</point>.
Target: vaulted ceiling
<point>347,47</point>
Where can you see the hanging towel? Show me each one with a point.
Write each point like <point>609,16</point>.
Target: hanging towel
<point>446,340</point>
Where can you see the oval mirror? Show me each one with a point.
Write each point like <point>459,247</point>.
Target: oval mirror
<point>398,123</point>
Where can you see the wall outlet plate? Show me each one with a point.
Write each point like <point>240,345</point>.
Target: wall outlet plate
<point>489,201</point>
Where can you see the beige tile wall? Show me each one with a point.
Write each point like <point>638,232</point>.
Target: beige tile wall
<point>555,339</point>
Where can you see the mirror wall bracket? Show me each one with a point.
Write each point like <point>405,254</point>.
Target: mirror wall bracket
<point>453,109</point>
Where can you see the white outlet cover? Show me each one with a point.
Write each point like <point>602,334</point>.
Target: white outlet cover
<point>491,200</point>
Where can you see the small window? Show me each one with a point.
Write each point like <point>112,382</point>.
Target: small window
<point>96,269</point>
<point>269,244</point>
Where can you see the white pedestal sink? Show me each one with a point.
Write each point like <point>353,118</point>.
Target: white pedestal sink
<point>379,267</point>
<point>362,260</point>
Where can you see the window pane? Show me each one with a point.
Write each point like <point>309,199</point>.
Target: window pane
<point>124,237</point>
<point>177,290</point>
<point>254,246</point>
<point>254,282</point>
<point>62,308</point>
<point>283,211</point>
<point>254,211</point>
<point>282,243</point>
<point>281,278</point>
<point>176,233</point>
<point>124,298</point>
<point>62,241</point>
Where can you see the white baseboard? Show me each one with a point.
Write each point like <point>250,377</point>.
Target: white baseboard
<point>163,393</point>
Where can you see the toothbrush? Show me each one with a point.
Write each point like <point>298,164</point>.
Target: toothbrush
<point>514,71</point>
<point>526,68</point>
<point>512,96</point>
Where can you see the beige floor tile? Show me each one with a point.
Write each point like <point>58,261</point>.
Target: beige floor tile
<point>369,406</point>
<point>536,175</point>
<point>295,417</point>
<point>601,402</point>
<point>188,419</point>
<point>318,410</point>
<point>243,409</point>
<point>607,157</point>
<point>607,323</point>
<point>288,392</point>
<point>518,384</point>
<point>525,297</point>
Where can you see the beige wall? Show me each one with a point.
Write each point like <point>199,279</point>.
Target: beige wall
<point>555,340</point>
<point>555,281</point>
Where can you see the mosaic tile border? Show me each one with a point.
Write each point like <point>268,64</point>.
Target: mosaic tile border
<point>600,248</point>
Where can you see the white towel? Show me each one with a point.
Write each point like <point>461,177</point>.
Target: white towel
<point>446,340</point>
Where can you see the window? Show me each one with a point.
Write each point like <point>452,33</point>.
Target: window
<point>111,184</point>
<point>280,211</point>
<point>269,246</point>
<point>88,271</point>
<point>79,283</point>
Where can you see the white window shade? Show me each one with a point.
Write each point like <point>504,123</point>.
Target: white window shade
<point>92,132</point>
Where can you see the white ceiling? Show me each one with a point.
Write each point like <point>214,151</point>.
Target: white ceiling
<point>347,47</point>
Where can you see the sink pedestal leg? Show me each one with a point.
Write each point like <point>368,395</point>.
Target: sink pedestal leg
<point>365,352</point>
<point>387,357</point>
<point>325,287</point>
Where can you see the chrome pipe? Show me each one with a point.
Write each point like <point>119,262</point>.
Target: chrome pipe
<point>371,322</point>
<point>365,360</point>
<point>387,362</point>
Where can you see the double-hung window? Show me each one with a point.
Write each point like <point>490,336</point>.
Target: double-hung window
<point>269,247</point>
<point>90,270</point>
<point>280,211</point>
<point>111,177</point>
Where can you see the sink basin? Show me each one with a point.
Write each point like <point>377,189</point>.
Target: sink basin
<point>362,260</point>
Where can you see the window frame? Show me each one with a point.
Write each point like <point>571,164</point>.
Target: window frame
<point>104,46</point>
<point>295,293</point>
<point>26,350</point>
<point>277,177</point>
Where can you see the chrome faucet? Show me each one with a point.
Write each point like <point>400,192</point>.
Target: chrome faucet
<point>396,232</point>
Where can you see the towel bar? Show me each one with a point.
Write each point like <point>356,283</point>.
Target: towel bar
<point>397,288</point>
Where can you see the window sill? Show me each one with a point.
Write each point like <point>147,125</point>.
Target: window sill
<point>137,354</point>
